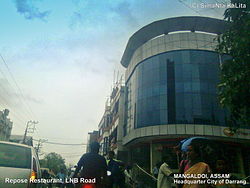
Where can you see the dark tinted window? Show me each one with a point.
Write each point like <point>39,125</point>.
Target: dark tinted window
<point>15,156</point>
<point>175,87</point>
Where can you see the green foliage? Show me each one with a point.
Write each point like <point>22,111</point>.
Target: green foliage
<point>54,162</point>
<point>234,88</point>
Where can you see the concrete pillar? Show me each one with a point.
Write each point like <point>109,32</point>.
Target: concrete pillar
<point>240,161</point>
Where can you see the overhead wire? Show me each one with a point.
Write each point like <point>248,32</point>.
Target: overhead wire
<point>72,155</point>
<point>14,113</point>
<point>8,94</point>
<point>215,10</point>
<point>61,138</point>
<point>220,11</point>
<point>25,114</point>
<point>20,121</point>
<point>17,86</point>
<point>63,155</point>
<point>222,1</point>
<point>19,118</point>
<point>189,7</point>
<point>5,104</point>
<point>57,143</point>
<point>198,12</point>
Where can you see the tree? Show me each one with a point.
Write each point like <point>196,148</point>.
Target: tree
<point>234,87</point>
<point>54,162</point>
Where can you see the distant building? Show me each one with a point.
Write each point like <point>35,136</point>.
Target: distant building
<point>5,125</point>
<point>111,124</point>
<point>92,137</point>
<point>104,131</point>
<point>19,139</point>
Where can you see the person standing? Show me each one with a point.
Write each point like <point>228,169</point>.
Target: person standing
<point>156,169</point>
<point>61,175</point>
<point>196,165</point>
<point>117,177</point>
<point>92,165</point>
<point>164,179</point>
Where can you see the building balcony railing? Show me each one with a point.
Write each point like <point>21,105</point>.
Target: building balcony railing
<point>107,128</point>
<point>115,118</point>
<point>99,139</point>
<point>113,146</point>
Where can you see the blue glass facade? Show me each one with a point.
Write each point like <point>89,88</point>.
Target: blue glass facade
<point>176,87</point>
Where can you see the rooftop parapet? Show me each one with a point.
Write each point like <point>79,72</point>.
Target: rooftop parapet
<point>186,23</point>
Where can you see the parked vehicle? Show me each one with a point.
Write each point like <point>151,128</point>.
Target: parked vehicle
<point>18,165</point>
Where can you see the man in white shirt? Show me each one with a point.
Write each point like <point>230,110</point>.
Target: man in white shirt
<point>164,177</point>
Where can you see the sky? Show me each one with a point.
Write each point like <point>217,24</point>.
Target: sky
<point>58,60</point>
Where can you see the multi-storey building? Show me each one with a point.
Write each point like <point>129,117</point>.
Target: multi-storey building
<point>110,126</point>
<point>5,125</point>
<point>103,130</point>
<point>170,93</point>
<point>172,72</point>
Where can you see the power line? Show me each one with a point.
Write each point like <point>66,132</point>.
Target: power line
<point>13,78</point>
<point>65,144</point>
<point>6,105</point>
<point>30,128</point>
<point>70,153</point>
<point>18,117</point>
<point>215,10</point>
<point>222,1</point>
<point>39,146</point>
<point>63,155</point>
<point>20,120</point>
<point>189,7</point>
<point>6,91</point>
<point>16,85</point>
<point>56,143</point>
<point>61,138</point>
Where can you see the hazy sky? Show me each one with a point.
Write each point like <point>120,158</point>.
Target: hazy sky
<point>62,55</point>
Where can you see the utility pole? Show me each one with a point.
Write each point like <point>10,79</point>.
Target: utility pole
<point>30,128</point>
<point>39,145</point>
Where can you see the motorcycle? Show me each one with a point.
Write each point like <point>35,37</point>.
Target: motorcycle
<point>90,185</point>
